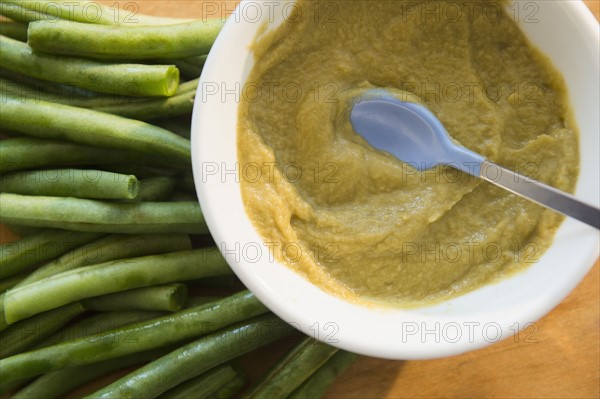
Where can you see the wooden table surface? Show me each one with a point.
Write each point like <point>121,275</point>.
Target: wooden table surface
<point>562,359</point>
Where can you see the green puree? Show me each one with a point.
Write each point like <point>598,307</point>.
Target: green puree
<point>361,224</point>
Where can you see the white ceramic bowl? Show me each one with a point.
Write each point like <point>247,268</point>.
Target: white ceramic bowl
<point>568,33</point>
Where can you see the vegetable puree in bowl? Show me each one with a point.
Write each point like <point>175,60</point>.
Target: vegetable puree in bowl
<point>357,222</point>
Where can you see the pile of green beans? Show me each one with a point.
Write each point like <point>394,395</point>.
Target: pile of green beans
<point>114,285</point>
<point>131,42</point>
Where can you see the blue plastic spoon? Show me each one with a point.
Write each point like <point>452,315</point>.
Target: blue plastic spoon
<point>411,133</point>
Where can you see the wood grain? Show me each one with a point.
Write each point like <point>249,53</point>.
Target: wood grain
<point>561,360</point>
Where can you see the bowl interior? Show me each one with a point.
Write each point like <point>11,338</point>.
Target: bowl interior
<point>471,321</point>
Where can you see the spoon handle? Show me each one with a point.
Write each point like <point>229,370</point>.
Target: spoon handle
<point>541,193</point>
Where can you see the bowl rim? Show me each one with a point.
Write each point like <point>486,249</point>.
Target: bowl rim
<point>422,333</point>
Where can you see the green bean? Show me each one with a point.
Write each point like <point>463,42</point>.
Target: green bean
<point>16,88</point>
<point>195,358</point>
<point>316,385</point>
<point>140,108</point>
<point>34,92</point>
<point>104,278</point>
<point>102,77</point>
<point>18,255</point>
<point>135,338</point>
<point>143,107</point>
<point>102,216</point>
<point>80,183</point>
<point>19,84</point>
<point>186,70</point>
<point>21,14</point>
<point>202,386</point>
<point>291,371</point>
<point>31,91</point>
<point>22,335</point>
<point>84,328</point>
<point>91,12</point>
<point>174,41</point>
<point>26,87</point>
<point>180,126</point>
<point>84,126</point>
<point>229,389</point>
<point>163,297</point>
<point>14,30</point>
<point>191,85</point>
<point>25,153</point>
<point>58,383</point>
<point>190,67</point>
<point>98,323</point>
<point>136,107</point>
<point>112,247</point>
<point>179,104</point>
<point>157,188</point>
<point>44,90</point>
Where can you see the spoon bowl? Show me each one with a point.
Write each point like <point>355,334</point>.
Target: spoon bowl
<point>414,135</point>
<point>411,133</point>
